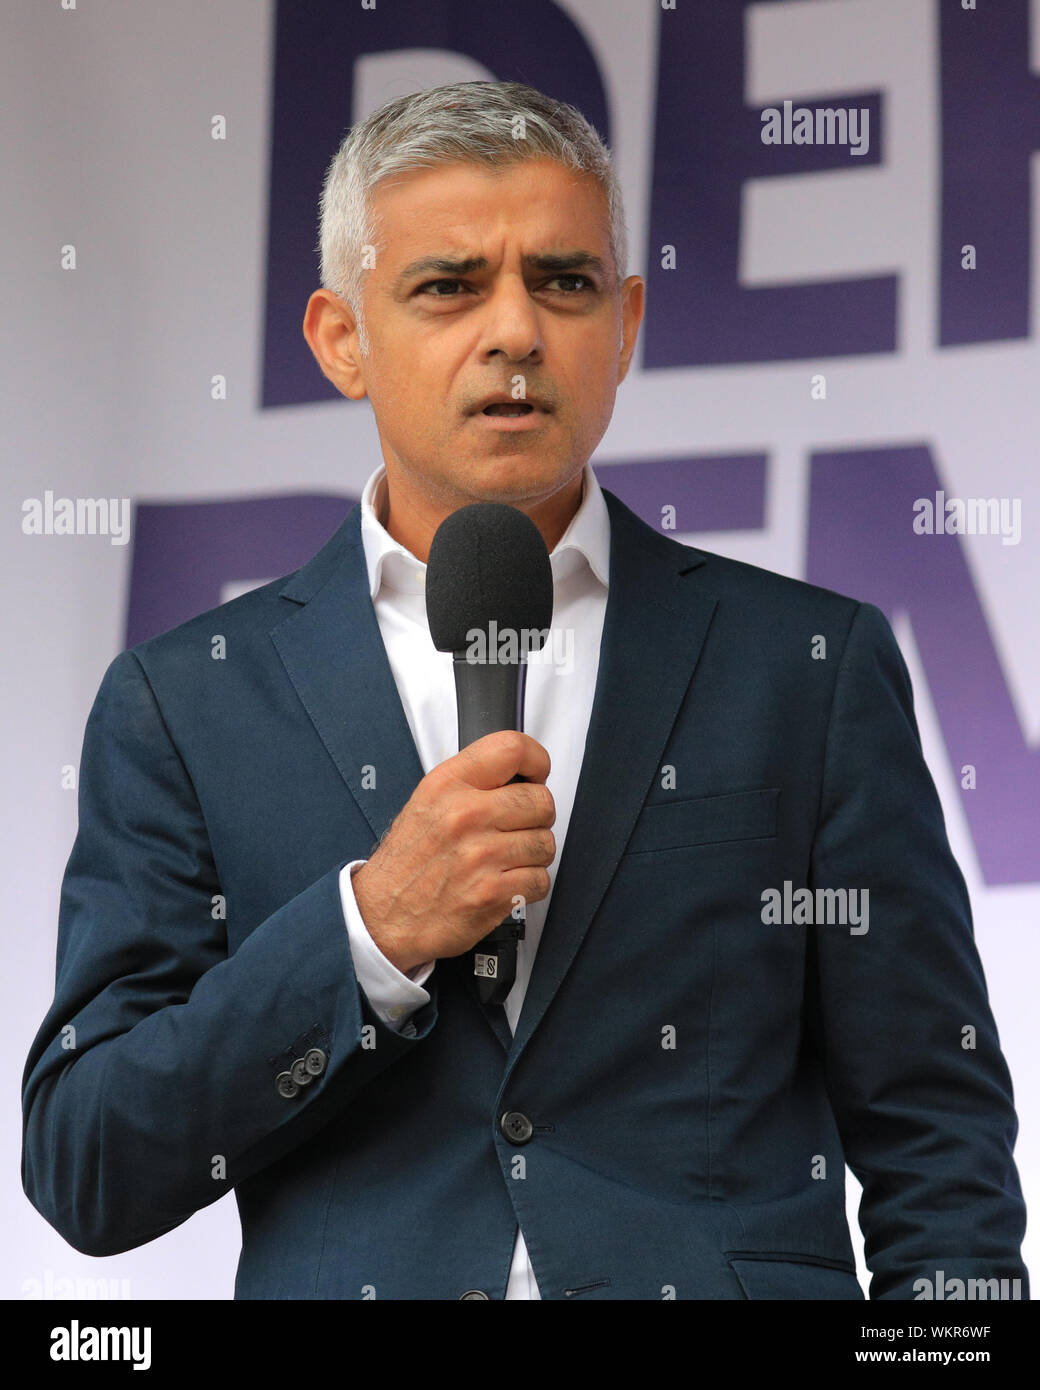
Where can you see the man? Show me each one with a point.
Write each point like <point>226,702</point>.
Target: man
<point>695,1043</point>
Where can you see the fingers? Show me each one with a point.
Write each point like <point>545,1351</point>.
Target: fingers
<point>530,884</point>
<point>522,806</point>
<point>497,758</point>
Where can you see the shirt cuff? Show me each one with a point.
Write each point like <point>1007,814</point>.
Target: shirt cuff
<point>393,995</point>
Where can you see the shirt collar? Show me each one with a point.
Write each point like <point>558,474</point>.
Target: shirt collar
<point>586,541</point>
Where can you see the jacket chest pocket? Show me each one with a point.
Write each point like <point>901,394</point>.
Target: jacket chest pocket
<point>705,820</point>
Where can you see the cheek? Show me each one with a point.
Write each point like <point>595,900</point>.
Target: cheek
<point>594,370</point>
<point>592,399</point>
<point>396,397</point>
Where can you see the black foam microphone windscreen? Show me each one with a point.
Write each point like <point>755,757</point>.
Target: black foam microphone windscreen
<point>487,563</point>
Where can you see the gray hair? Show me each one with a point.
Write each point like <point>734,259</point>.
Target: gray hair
<point>491,123</point>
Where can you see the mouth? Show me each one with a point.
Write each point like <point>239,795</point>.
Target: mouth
<point>513,417</point>
<point>508,409</point>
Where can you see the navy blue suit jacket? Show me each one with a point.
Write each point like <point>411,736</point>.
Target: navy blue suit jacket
<point>695,1077</point>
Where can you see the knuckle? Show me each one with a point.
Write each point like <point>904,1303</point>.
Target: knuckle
<point>513,743</point>
<point>485,894</point>
<point>461,817</point>
<point>453,821</point>
<point>540,884</point>
<point>474,857</point>
<point>536,849</point>
<point>433,785</point>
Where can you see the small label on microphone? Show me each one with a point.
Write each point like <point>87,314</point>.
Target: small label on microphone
<point>485,966</point>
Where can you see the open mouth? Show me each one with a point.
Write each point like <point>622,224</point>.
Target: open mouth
<point>508,408</point>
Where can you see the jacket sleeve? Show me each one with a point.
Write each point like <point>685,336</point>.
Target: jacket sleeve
<point>916,1077</point>
<point>151,1087</point>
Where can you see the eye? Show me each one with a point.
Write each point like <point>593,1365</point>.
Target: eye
<point>586,283</point>
<point>429,286</point>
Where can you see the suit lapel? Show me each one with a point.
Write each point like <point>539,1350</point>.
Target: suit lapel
<point>334,655</point>
<point>333,652</point>
<point>653,632</point>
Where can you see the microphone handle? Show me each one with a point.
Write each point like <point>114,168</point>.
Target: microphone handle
<point>490,698</point>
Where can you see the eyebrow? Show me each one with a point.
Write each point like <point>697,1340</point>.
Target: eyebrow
<point>563,264</point>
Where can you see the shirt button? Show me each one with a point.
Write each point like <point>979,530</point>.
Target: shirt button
<point>396,1011</point>
<point>475,1293</point>
<point>516,1127</point>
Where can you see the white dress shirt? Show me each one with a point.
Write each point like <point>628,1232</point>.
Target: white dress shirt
<point>561,683</point>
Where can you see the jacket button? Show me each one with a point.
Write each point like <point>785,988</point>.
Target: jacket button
<point>287,1087</point>
<point>315,1061</point>
<point>516,1127</point>
<point>474,1293</point>
<point>299,1072</point>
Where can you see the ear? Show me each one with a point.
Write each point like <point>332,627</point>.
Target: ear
<point>330,328</point>
<point>633,296</point>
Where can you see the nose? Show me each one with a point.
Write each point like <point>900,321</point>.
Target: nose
<point>512,325</point>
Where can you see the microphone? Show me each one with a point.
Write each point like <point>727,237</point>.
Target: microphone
<point>489,601</point>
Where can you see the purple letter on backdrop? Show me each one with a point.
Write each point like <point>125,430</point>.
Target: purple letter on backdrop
<point>316,46</point>
<point>185,552</point>
<point>862,542</point>
<point>990,128</point>
<point>707,144</point>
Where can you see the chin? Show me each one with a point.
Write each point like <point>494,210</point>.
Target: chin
<point>514,478</point>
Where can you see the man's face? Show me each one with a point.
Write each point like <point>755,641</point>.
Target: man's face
<point>491,283</point>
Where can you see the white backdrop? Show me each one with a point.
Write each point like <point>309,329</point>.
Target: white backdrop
<point>106,375</point>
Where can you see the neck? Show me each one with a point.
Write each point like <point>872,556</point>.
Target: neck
<point>413,522</point>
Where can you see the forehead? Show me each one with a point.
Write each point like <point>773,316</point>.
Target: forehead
<point>536,204</point>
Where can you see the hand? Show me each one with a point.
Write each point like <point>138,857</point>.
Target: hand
<point>464,845</point>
